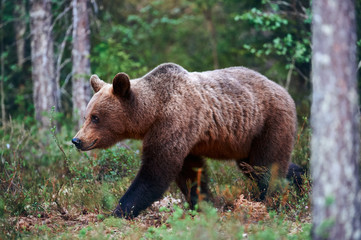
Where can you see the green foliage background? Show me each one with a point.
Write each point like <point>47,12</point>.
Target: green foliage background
<point>272,37</point>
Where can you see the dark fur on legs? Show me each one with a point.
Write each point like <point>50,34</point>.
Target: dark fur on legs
<point>262,175</point>
<point>144,190</point>
<point>187,180</point>
<point>258,174</point>
<point>294,175</point>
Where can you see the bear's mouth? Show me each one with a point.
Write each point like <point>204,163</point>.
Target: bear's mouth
<point>91,146</point>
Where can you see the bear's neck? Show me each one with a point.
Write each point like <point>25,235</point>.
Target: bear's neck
<point>142,112</point>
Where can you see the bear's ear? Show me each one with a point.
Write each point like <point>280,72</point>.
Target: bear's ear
<point>96,83</point>
<point>121,85</point>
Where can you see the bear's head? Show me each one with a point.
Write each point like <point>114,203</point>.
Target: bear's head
<point>107,114</point>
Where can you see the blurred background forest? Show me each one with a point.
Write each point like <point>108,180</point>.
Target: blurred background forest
<point>272,37</point>
<point>49,49</point>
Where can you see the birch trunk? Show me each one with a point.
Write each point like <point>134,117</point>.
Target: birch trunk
<point>81,62</point>
<point>45,88</point>
<point>335,122</point>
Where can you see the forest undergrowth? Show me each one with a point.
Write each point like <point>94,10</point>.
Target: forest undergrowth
<point>51,190</point>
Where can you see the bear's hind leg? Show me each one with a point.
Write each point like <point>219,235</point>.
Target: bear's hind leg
<point>270,152</point>
<point>258,174</point>
<point>187,180</point>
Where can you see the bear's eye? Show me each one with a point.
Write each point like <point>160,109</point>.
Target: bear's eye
<point>94,119</point>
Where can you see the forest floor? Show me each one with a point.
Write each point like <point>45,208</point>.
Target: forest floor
<point>250,220</point>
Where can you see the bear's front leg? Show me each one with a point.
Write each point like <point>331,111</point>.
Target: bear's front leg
<point>160,166</point>
<point>145,189</point>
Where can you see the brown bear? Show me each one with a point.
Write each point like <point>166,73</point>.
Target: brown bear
<point>182,117</point>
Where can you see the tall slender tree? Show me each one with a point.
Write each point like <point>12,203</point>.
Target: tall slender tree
<point>206,7</point>
<point>208,15</point>
<point>20,28</point>
<point>335,122</point>
<point>45,88</point>
<point>80,56</point>
<point>2,69</point>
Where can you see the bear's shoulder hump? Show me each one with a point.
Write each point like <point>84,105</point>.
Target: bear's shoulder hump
<point>167,69</point>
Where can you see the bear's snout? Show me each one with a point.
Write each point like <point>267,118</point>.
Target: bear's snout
<point>76,142</point>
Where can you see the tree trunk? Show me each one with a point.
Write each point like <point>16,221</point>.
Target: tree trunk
<point>2,68</point>
<point>335,122</point>
<point>207,12</point>
<point>20,28</point>
<point>81,61</point>
<point>45,88</point>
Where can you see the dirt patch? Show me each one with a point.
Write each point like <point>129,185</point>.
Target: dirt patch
<point>252,211</point>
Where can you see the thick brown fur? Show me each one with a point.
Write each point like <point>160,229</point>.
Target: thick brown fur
<point>232,113</point>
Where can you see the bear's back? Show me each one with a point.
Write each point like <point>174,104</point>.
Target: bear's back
<point>232,81</point>
<point>220,111</point>
<point>237,104</point>
<point>242,88</point>
<point>237,89</point>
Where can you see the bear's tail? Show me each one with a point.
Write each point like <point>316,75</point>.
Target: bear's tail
<point>295,174</point>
